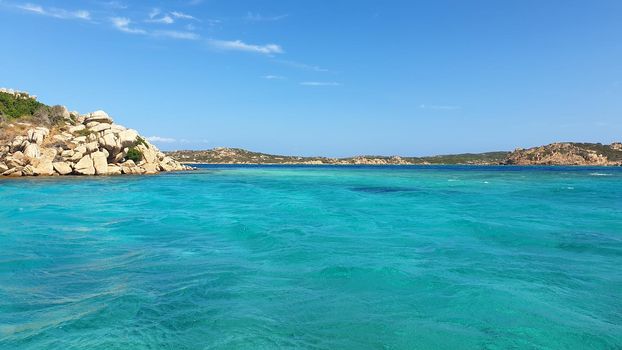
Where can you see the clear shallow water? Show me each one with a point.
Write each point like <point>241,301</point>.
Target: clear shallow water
<point>314,258</point>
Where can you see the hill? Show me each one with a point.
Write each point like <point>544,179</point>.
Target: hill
<point>568,153</point>
<point>222,155</point>
<point>595,154</point>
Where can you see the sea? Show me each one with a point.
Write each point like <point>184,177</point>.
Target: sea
<point>314,257</point>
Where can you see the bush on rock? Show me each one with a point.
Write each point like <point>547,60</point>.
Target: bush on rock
<point>134,154</point>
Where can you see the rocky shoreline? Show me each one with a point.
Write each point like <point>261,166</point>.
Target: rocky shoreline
<point>567,153</point>
<point>89,144</point>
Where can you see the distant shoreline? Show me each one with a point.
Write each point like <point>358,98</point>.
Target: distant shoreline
<point>418,165</point>
<point>564,154</point>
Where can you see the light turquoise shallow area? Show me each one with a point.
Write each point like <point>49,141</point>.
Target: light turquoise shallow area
<point>314,258</point>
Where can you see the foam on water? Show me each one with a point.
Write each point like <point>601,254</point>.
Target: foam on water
<point>314,258</point>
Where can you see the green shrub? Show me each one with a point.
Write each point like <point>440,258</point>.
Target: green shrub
<point>140,140</point>
<point>14,107</point>
<point>134,154</point>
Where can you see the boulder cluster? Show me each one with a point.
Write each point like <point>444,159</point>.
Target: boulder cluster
<point>90,144</point>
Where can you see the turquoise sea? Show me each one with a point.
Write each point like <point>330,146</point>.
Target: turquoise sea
<point>271,257</point>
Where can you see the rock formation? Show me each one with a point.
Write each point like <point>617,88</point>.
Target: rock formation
<point>568,154</point>
<point>90,144</point>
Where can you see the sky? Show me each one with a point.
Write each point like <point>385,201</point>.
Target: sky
<point>332,78</point>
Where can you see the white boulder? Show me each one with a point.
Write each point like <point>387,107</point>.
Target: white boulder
<point>85,166</point>
<point>98,116</point>
<point>99,163</point>
<point>32,151</point>
<point>62,168</point>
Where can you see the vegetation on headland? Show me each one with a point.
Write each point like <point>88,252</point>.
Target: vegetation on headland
<point>553,154</point>
<point>13,106</point>
<point>21,106</point>
<point>241,156</point>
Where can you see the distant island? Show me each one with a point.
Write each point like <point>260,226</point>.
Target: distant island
<point>41,140</point>
<point>566,153</point>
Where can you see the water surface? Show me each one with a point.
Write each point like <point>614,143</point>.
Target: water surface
<point>264,257</point>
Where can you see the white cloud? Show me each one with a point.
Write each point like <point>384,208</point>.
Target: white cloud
<point>154,12</point>
<point>123,24</point>
<point>32,8</point>
<point>273,77</point>
<point>153,17</point>
<point>257,17</point>
<point>320,83</point>
<point>439,107</point>
<point>160,139</point>
<point>82,14</point>
<point>156,16</point>
<point>174,34</point>
<point>166,19</point>
<point>55,12</point>
<point>238,45</point>
<point>302,65</point>
<point>181,15</point>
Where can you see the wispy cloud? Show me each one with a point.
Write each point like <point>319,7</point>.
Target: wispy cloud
<point>301,65</point>
<point>273,77</point>
<point>439,107</point>
<point>123,24</point>
<point>320,83</point>
<point>238,45</point>
<point>160,139</point>
<point>181,15</point>
<point>174,34</point>
<point>213,22</point>
<point>55,12</point>
<point>156,16</point>
<point>164,19</point>
<point>257,17</point>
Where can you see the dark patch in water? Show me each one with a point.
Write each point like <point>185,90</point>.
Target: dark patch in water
<point>383,189</point>
<point>592,242</point>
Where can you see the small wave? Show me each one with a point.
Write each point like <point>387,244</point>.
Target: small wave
<point>600,174</point>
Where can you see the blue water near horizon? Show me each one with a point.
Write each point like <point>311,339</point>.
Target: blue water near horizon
<point>314,257</point>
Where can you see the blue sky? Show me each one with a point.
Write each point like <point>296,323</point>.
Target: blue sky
<point>332,78</point>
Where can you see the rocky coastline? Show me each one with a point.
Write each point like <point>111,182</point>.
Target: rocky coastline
<point>75,144</point>
<point>567,153</point>
<point>580,154</point>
